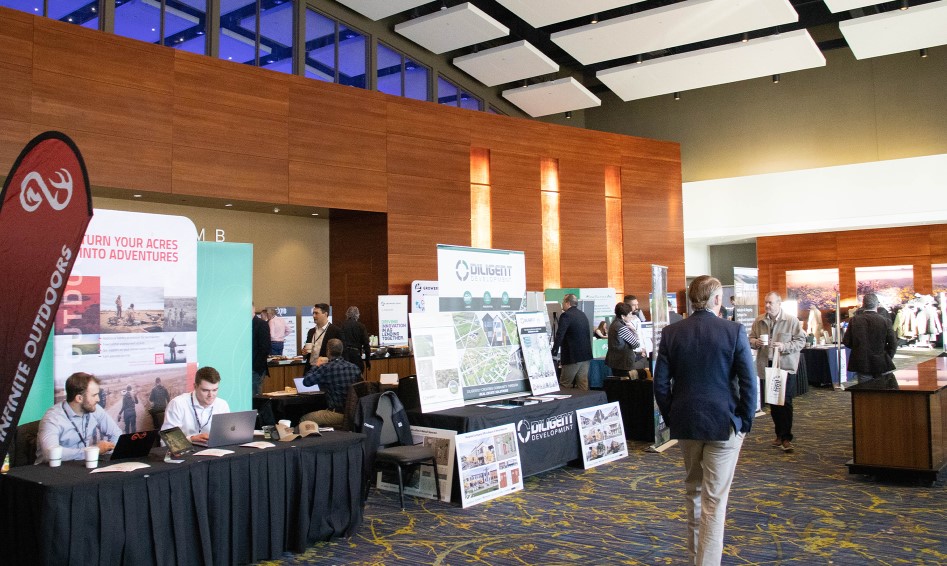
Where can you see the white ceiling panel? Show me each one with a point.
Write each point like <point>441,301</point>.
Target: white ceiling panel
<point>671,26</point>
<point>539,13</point>
<point>506,63</point>
<point>378,9</point>
<point>836,6</point>
<point>897,31</point>
<point>453,28</point>
<point>783,53</point>
<point>552,97</point>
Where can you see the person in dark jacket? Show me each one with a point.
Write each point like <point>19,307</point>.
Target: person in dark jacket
<point>260,350</point>
<point>574,337</point>
<point>872,340</point>
<point>128,411</point>
<point>623,343</point>
<point>355,338</point>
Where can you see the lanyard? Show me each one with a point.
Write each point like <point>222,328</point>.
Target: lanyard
<point>197,421</point>
<point>85,424</point>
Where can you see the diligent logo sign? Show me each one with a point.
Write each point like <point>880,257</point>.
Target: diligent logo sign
<point>483,272</point>
<point>462,270</point>
<point>545,428</point>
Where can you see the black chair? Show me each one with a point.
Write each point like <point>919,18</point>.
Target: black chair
<point>23,446</point>
<point>391,453</point>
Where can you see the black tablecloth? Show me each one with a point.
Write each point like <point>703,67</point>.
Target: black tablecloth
<point>241,508</point>
<point>272,409</point>
<point>547,433</point>
<point>822,365</point>
<point>636,399</point>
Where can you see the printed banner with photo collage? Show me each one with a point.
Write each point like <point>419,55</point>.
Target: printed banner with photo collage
<point>534,342</point>
<point>420,481</point>
<point>489,464</point>
<point>601,434</point>
<point>132,312</point>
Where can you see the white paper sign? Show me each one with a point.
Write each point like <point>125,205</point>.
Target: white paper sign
<point>534,342</point>
<point>393,320</point>
<point>489,464</point>
<point>436,361</point>
<point>601,434</point>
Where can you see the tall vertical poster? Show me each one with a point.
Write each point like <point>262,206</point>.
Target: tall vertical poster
<point>132,312</point>
<point>534,342</point>
<point>436,361</point>
<point>659,319</point>
<point>745,295</point>
<point>483,289</point>
<point>393,320</point>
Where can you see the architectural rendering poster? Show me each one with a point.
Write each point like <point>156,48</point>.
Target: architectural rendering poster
<point>534,342</point>
<point>894,284</point>
<point>132,312</point>
<point>746,295</point>
<point>420,481</point>
<point>601,434</point>
<point>288,314</point>
<point>424,296</point>
<point>393,320</point>
<point>436,361</point>
<point>489,464</point>
<point>474,279</point>
<point>813,287</point>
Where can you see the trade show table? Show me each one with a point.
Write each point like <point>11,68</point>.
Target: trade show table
<point>822,364</point>
<point>547,433</point>
<point>237,509</point>
<point>899,423</point>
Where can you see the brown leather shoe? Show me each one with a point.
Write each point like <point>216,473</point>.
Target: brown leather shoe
<point>776,443</point>
<point>787,446</point>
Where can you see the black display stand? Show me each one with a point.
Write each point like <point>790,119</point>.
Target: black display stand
<point>636,399</point>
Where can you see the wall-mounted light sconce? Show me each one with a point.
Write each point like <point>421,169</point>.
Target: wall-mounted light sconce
<point>568,114</point>
<point>776,79</point>
<point>677,96</point>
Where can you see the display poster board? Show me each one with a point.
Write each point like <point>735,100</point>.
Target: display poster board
<point>393,320</point>
<point>488,461</point>
<point>894,284</point>
<point>424,296</point>
<point>491,364</point>
<point>812,288</point>
<point>746,296</point>
<point>129,312</point>
<point>420,481</point>
<point>601,434</point>
<point>476,279</point>
<point>288,315</point>
<point>659,319</point>
<point>436,361</point>
<point>939,280</point>
<point>534,343</point>
<point>306,322</point>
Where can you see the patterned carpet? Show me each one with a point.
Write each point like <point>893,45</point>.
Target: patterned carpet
<point>798,508</point>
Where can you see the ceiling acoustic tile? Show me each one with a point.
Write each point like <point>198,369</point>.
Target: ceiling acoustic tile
<point>379,9</point>
<point>897,31</point>
<point>506,63</point>
<point>836,6</point>
<point>543,99</point>
<point>453,28</point>
<point>539,13</point>
<point>671,26</point>
<point>775,54</point>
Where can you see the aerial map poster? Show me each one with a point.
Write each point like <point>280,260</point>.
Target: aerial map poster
<point>490,361</point>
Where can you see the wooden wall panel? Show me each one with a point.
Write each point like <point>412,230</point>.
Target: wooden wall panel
<point>527,238</point>
<point>433,159</point>
<point>217,127</point>
<point>349,188</point>
<point>513,135</point>
<point>316,101</point>
<point>403,268</point>
<point>16,68</point>
<point>335,145</point>
<point>938,243</point>
<point>358,255</point>
<point>515,170</point>
<point>883,243</point>
<point>422,196</point>
<point>583,261</point>
<point>241,88</point>
<point>566,142</point>
<point>653,188</point>
<point>16,38</point>
<point>219,174</point>
<point>414,118</point>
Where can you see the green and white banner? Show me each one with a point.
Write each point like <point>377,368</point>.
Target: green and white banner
<point>475,279</point>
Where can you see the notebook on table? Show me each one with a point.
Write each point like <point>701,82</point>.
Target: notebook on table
<point>134,445</point>
<point>230,428</point>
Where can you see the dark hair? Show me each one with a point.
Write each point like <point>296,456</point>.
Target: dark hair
<point>870,301</point>
<point>208,374</point>
<point>622,309</point>
<point>334,348</point>
<point>571,299</point>
<point>78,383</point>
<point>321,306</point>
<point>629,298</point>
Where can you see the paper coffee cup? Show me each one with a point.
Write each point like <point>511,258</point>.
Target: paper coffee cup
<point>92,457</point>
<point>54,455</point>
<point>285,423</point>
<point>764,338</point>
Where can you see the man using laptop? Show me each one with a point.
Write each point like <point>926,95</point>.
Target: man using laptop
<point>192,412</point>
<point>334,377</point>
<point>77,422</point>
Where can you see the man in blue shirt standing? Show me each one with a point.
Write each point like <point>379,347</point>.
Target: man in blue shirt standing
<point>78,422</point>
<point>334,378</point>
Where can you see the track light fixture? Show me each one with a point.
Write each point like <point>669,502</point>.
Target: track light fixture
<point>595,18</point>
<point>746,37</point>
<point>444,5</point>
<point>568,114</point>
<point>923,53</point>
<point>677,96</point>
<point>776,79</point>
<point>640,59</point>
<point>905,4</point>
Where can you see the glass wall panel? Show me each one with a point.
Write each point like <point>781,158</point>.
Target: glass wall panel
<point>446,92</point>
<point>353,57</point>
<point>238,31</point>
<point>276,35</point>
<point>185,24</point>
<point>138,19</point>
<point>389,65</point>
<point>320,47</point>
<point>470,102</point>
<point>79,12</point>
<point>34,7</point>
<point>417,79</point>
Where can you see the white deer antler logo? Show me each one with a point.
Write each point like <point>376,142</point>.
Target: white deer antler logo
<point>31,198</point>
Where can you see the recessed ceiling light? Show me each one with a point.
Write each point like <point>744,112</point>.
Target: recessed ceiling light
<point>228,204</point>
<point>315,214</point>
<point>137,196</point>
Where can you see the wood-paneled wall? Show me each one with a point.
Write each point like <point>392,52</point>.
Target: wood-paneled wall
<point>920,246</point>
<point>153,119</point>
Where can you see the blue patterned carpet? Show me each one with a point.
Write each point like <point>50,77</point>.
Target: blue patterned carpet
<point>798,508</point>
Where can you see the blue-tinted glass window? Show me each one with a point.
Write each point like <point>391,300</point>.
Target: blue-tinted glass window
<point>389,70</point>
<point>417,79</point>
<point>238,31</point>
<point>79,12</point>
<point>276,35</point>
<point>353,57</point>
<point>446,92</point>
<point>34,7</point>
<point>185,25</point>
<point>138,19</point>
<point>470,102</point>
<point>320,47</point>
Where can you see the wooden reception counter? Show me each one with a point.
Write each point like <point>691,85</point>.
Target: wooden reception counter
<point>899,424</point>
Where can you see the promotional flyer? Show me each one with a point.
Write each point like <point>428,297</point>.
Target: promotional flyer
<point>601,434</point>
<point>534,343</point>
<point>489,464</point>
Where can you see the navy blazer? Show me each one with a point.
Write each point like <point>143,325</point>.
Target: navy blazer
<point>704,380</point>
<point>573,336</point>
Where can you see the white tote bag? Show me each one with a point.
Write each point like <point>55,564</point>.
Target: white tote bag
<point>775,383</point>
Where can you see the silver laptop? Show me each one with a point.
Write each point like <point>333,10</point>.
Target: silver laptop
<point>230,428</point>
<point>302,388</point>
